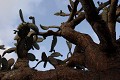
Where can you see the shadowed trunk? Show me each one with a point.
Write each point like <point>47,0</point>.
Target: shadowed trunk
<point>89,61</point>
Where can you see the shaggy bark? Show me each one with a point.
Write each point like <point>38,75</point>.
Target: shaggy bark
<point>102,60</point>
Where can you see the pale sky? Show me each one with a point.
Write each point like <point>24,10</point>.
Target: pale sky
<point>43,11</point>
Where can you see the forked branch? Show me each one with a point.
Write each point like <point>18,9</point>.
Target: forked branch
<point>74,10</point>
<point>78,38</point>
<point>81,15</point>
<point>98,25</point>
<point>112,18</point>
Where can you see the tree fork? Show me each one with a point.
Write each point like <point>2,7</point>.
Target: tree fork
<point>112,18</point>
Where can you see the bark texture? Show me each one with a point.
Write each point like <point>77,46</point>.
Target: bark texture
<point>102,60</point>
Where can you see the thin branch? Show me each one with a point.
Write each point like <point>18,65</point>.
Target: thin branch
<point>74,10</point>
<point>49,33</point>
<point>81,15</point>
<point>112,18</point>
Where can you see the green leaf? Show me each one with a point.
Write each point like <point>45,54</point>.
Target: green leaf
<point>15,44</point>
<point>9,50</point>
<point>30,33</point>
<point>31,57</point>
<point>69,45</point>
<point>2,47</point>
<point>23,30</point>
<point>57,13</point>
<point>56,54</point>
<point>10,63</point>
<point>15,31</point>
<point>37,64</point>
<point>44,57</point>
<point>33,19</point>
<point>61,13</point>
<point>69,8</point>
<point>54,42</point>
<point>45,63</point>
<point>21,26</point>
<point>44,27</point>
<point>36,46</point>
<point>54,27</point>
<point>71,3</point>
<point>35,37</point>
<point>60,62</point>
<point>33,27</point>
<point>16,37</point>
<point>21,15</point>
<point>68,54</point>
<point>52,61</point>
<point>4,64</point>
<point>40,39</point>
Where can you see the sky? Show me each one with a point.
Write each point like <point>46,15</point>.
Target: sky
<point>43,11</point>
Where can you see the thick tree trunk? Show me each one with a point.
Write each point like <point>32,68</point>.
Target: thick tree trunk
<point>61,73</point>
<point>87,54</point>
<point>102,60</point>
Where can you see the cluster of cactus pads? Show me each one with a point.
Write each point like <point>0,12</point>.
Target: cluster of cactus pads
<point>27,37</point>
